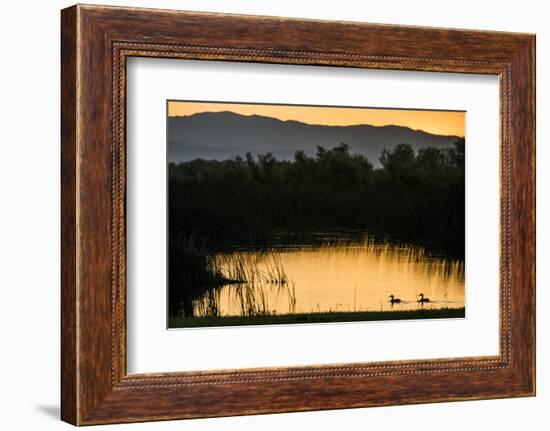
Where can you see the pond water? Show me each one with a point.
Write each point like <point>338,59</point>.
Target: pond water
<point>357,276</point>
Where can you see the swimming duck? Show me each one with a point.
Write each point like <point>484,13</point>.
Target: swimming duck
<point>422,299</point>
<point>394,300</point>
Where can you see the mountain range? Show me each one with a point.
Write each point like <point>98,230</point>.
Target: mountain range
<point>225,135</point>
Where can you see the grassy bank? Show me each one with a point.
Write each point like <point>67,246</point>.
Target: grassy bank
<point>197,322</point>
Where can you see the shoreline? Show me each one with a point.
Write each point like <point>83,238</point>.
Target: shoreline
<point>326,317</point>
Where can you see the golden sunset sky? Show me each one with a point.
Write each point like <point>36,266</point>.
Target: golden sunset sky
<point>436,122</point>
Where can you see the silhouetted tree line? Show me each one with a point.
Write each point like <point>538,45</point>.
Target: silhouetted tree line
<point>413,196</point>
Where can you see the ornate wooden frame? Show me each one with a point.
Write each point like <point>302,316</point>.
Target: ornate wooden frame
<point>95,43</point>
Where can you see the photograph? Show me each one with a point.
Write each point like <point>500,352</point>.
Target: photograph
<point>283,214</point>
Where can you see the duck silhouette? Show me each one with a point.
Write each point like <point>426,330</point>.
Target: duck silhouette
<point>394,300</point>
<point>422,299</point>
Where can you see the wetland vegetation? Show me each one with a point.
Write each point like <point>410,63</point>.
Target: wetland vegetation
<point>256,240</point>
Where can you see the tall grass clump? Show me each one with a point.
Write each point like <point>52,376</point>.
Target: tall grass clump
<point>196,273</point>
<point>192,271</point>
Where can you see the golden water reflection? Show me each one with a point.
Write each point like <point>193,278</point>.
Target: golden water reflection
<point>340,277</point>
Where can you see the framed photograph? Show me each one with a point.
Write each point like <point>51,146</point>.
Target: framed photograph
<point>266,215</point>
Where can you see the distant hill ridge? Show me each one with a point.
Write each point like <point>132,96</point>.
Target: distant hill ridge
<point>225,135</point>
